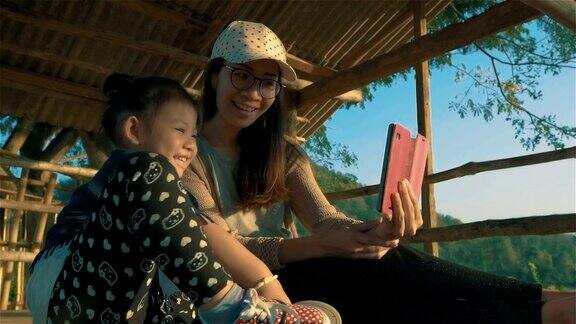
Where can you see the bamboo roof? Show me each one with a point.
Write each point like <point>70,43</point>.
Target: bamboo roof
<point>55,55</point>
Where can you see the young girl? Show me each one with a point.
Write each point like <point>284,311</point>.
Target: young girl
<point>144,229</point>
<point>249,180</point>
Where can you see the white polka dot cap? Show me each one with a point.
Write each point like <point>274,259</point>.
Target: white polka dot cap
<point>244,41</point>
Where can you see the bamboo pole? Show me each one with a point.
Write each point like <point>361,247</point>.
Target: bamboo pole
<point>7,159</point>
<point>19,302</point>
<point>469,168</point>
<point>31,196</point>
<point>4,236</point>
<point>37,183</point>
<point>19,135</point>
<point>17,244</point>
<point>13,238</point>
<point>533,225</point>
<point>30,206</point>
<point>424,111</point>
<point>41,227</point>
<point>17,256</point>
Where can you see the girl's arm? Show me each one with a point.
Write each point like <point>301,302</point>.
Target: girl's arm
<point>244,267</point>
<point>151,204</point>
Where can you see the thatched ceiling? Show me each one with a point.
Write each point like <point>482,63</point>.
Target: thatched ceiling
<point>55,55</point>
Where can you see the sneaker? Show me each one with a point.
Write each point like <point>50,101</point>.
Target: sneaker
<point>331,315</point>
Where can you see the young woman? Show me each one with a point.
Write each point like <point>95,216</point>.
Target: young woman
<point>249,179</point>
<point>143,236</point>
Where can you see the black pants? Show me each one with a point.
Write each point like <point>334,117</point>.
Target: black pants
<point>409,286</point>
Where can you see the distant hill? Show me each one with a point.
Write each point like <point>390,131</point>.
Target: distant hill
<point>549,260</point>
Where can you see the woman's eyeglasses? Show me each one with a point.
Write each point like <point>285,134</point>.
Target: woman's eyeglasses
<point>243,79</point>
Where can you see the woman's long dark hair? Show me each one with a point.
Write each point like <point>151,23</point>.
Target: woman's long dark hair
<point>260,173</point>
<point>129,95</point>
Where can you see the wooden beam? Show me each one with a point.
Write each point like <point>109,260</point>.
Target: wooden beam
<point>224,17</point>
<point>350,96</point>
<point>154,48</point>
<point>402,35</point>
<point>165,50</point>
<point>496,19</point>
<point>25,244</point>
<point>30,206</point>
<point>534,225</point>
<point>17,256</point>
<point>563,11</point>
<point>352,193</point>
<point>59,145</point>
<point>390,29</point>
<point>9,159</point>
<point>161,13</point>
<point>19,135</point>
<point>424,111</point>
<point>308,67</point>
<point>97,148</point>
<point>52,84</point>
<point>12,192</point>
<point>34,182</point>
<point>471,168</point>
<point>52,57</point>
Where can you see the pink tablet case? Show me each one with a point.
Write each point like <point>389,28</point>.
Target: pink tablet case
<point>405,157</point>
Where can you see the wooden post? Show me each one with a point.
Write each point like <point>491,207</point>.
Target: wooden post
<point>4,236</point>
<point>12,239</point>
<point>20,302</point>
<point>41,227</point>
<point>425,125</point>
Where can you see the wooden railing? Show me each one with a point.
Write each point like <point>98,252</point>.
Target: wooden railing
<point>469,168</point>
<point>15,252</point>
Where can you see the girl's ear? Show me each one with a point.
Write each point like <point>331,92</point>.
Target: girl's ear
<point>130,133</point>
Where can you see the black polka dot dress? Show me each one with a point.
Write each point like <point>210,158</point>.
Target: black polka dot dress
<point>143,221</point>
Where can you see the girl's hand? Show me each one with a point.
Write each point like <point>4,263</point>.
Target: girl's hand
<point>407,216</point>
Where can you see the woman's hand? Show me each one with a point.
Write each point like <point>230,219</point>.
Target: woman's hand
<point>354,241</point>
<point>407,216</point>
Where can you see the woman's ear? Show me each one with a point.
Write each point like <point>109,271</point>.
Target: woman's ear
<point>130,133</point>
<point>214,80</point>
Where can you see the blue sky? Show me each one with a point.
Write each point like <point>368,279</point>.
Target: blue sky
<point>526,191</point>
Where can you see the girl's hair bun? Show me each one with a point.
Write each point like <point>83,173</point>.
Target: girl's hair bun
<point>116,83</point>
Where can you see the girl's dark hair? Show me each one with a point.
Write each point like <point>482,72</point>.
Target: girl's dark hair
<point>260,173</point>
<point>129,95</point>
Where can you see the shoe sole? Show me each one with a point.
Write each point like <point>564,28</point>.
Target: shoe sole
<point>330,313</point>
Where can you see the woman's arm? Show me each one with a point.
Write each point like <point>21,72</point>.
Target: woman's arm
<point>244,267</point>
<point>333,234</point>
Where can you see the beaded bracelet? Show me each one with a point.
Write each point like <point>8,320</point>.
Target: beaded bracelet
<point>265,281</point>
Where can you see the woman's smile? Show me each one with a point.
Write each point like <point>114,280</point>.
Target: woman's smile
<point>245,107</point>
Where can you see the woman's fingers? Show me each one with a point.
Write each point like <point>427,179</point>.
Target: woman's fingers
<point>408,207</point>
<point>371,253</point>
<point>418,221</point>
<point>368,239</point>
<point>398,224</point>
<point>366,226</point>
